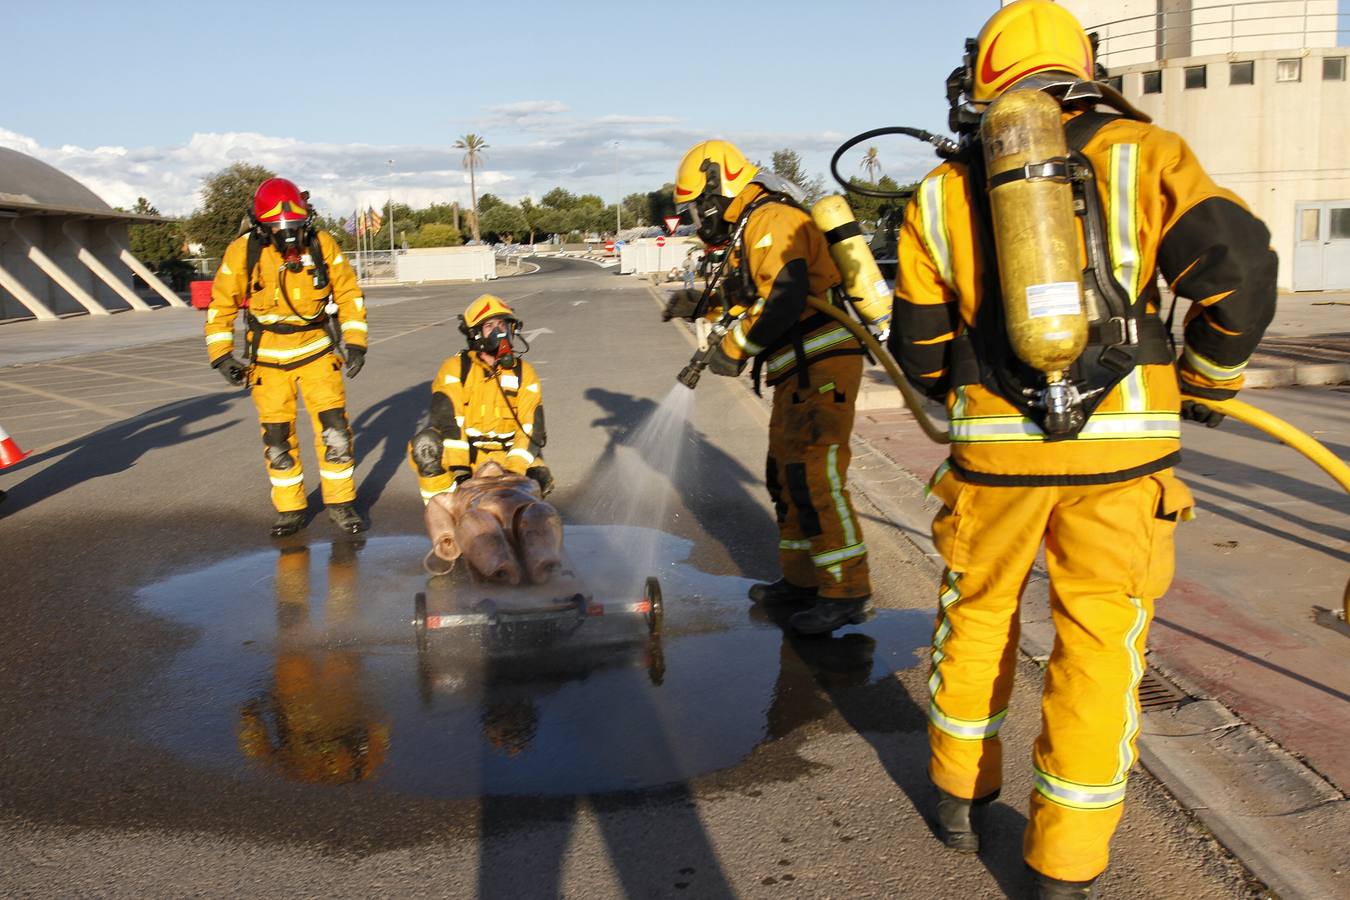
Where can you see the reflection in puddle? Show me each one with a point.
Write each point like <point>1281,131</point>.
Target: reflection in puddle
<point>306,665</point>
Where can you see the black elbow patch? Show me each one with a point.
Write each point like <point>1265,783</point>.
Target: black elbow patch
<point>538,433</point>
<point>442,416</point>
<point>785,304</point>
<point>1217,246</point>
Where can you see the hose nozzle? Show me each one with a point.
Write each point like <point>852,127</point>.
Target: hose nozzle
<point>689,375</point>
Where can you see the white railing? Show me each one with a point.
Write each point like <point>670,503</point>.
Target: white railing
<point>1207,29</point>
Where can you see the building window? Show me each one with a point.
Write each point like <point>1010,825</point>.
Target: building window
<point>1340,223</point>
<point>1195,77</point>
<point>1153,82</point>
<point>1309,225</point>
<point>1242,72</point>
<point>1117,83</point>
<point>1333,68</point>
<point>1289,70</point>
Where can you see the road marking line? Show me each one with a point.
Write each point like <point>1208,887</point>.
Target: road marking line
<point>94,407</point>
<point>124,375</point>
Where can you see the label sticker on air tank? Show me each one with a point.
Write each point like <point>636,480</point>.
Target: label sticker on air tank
<point>1058,298</point>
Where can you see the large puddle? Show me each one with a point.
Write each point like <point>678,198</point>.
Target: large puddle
<point>307,666</point>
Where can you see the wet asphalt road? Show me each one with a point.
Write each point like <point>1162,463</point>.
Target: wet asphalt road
<point>190,707</point>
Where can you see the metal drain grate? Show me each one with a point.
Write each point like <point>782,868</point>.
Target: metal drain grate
<point>1158,693</point>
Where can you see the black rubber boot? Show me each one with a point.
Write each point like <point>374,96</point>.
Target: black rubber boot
<point>288,523</point>
<point>346,518</point>
<point>781,591</point>
<point>827,615</point>
<point>953,823</point>
<point>1048,888</point>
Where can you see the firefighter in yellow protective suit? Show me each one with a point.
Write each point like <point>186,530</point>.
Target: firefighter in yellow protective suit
<point>295,287</point>
<point>486,404</point>
<point>777,258</point>
<point>315,723</point>
<point>1103,499</point>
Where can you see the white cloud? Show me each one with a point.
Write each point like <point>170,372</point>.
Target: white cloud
<point>537,149</point>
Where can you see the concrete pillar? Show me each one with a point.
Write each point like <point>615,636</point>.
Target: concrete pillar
<point>57,274</point>
<point>10,282</point>
<point>93,264</point>
<point>124,253</point>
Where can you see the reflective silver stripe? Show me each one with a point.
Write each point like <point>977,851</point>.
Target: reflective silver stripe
<point>523,454</point>
<point>221,336</point>
<point>933,228</point>
<point>1210,369</point>
<point>794,545</point>
<point>290,481</point>
<point>1078,796</point>
<point>738,335</point>
<point>943,468</point>
<point>1102,426</point>
<point>1134,391</point>
<point>819,342</point>
<point>1131,698</point>
<point>338,475</point>
<point>837,494</point>
<point>313,346</point>
<point>509,381</point>
<point>951,592</point>
<point>966,729</point>
<point>1124,217</point>
<point>274,318</point>
<point>354,326</point>
<point>833,557</point>
<point>455,445</point>
<point>427,495</point>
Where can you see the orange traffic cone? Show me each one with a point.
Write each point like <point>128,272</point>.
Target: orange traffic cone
<point>9,451</point>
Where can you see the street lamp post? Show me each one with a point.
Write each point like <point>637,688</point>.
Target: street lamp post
<point>391,212</point>
<point>618,195</point>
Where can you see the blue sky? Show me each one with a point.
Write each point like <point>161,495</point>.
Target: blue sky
<point>145,98</point>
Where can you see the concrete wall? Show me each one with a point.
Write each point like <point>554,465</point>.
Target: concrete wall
<point>447,264</point>
<point>45,232</point>
<point>1274,144</point>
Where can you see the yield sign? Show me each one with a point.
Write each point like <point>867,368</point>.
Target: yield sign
<point>672,222</point>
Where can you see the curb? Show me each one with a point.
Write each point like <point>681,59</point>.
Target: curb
<point>1288,376</point>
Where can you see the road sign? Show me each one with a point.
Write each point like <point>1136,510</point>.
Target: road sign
<point>609,246</point>
<point>672,222</point>
<point>660,241</point>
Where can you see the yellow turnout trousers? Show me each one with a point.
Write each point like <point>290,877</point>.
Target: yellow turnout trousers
<point>1109,555</point>
<point>820,539</point>
<point>319,383</point>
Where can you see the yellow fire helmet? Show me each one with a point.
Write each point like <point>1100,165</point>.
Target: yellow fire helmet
<point>486,307</point>
<point>1024,38</point>
<point>709,176</point>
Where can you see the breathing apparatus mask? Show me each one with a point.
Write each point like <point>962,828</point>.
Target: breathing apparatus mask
<point>291,239</point>
<point>707,211</point>
<point>496,338</point>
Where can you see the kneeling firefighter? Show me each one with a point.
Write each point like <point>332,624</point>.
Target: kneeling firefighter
<point>1027,298</point>
<point>295,286</point>
<point>486,403</point>
<point>776,259</point>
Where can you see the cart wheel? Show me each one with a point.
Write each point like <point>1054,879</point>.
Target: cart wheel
<point>652,594</point>
<point>420,613</point>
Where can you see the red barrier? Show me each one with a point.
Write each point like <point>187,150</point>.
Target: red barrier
<point>201,294</point>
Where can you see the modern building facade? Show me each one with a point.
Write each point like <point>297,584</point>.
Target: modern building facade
<point>62,249</point>
<point>1259,90</point>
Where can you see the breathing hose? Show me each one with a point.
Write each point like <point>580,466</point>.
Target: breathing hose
<point>912,400</point>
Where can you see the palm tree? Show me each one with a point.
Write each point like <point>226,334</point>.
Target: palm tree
<point>871,164</point>
<point>473,146</point>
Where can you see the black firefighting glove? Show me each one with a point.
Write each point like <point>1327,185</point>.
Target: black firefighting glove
<point>1197,411</point>
<point>719,363</point>
<point>460,474</point>
<point>234,371</point>
<point>543,476</point>
<point>681,305</point>
<point>356,358</point>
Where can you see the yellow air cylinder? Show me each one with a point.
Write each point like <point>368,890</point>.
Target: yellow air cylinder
<point>867,290</point>
<point>1035,233</point>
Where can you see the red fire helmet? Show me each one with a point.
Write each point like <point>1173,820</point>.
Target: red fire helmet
<point>279,202</point>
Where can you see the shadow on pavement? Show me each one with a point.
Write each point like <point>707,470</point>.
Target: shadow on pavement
<point>117,447</point>
<point>816,673</point>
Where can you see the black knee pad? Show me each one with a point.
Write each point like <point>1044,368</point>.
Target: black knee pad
<point>426,452</point>
<point>336,436</point>
<point>277,445</point>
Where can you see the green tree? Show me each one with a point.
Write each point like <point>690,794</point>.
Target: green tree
<point>436,234</point>
<point>488,202</point>
<point>637,208</point>
<point>559,199</point>
<point>473,146</point>
<point>226,198</point>
<point>505,221</point>
<point>788,164</point>
<point>155,244</point>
